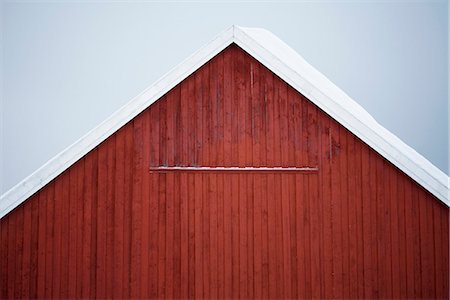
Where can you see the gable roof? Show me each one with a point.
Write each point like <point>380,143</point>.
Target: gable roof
<point>289,66</point>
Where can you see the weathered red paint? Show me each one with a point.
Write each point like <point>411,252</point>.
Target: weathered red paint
<point>108,227</point>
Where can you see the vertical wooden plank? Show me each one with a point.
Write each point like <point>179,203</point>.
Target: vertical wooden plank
<point>445,250</point>
<point>198,107</point>
<point>284,201</point>
<point>285,216</point>
<point>416,241</point>
<point>351,211</point>
<point>184,248</point>
<point>162,206</point>
<point>87,201</point>
<point>13,224</point>
<point>383,229</point>
<point>191,242</point>
<point>344,212</point>
<point>65,240</point>
<point>169,233</point>
<point>4,256</point>
<point>169,224</point>
<point>299,200</point>
<point>234,161</point>
<point>409,234</point>
<point>178,136</point>
<point>402,248</point>
<point>227,201</point>
<point>79,227</point>
<point>373,200</point>
<point>242,108</point>
<point>249,129</point>
<point>184,204</point>
<point>190,183</point>
<point>271,229</point>
<point>336,211</point>
<point>293,102</point>
<point>394,237</point>
<point>430,243</point>
<point>359,221</point>
<point>242,234</point>
<point>205,142</point>
<point>100,284</point>
<point>293,231</point>
<point>258,244</point>
<point>34,246</point>
<point>438,270</point>
<point>304,188</point>
<point>220,237</point>
<point>119,219</point>
<point>72,251</point>
<point>94,222</point>
<point>235,258</point>
<point>177,237</point>
<point>212,198</point>
<point>250,235</point>
<point>314,208</point>
<point>41,244</point>
<point>162,236</point>
<point>73,228</point>
<point>212,121</point>
<point>198,188</point>
<point>154,201</point>
<point>224,142</point>
<point>16,254</point>
<point>240,122</point>
<point>136,209</point>
<point>428,257</point>
<point>220,116</point>
<point>325,180</point>
<point>272,232</point>
<point>56,283</point>
<point>264,96</point>
<point>256,118</point>
<point>27,229</point>
<point>199,280</point>
<point>265,238</point>
<point>276,190</point>
<point>145,186</point>
<point>170,151</point>
<point>426,235</point>
<point>18,246</point>
<point>191,191</point>
<point>367,216</point>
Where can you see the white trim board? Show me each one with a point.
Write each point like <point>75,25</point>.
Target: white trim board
<point>289,66</point>
<point>165,169</point>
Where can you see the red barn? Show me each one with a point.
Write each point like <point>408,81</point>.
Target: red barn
<point>242,173</point>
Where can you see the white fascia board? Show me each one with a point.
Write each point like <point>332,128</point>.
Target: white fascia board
<point>292,68</point>
<point>284,62</point>
<point>55,166</point>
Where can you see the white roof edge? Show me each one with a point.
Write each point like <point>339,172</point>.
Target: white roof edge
<point>289,66</point>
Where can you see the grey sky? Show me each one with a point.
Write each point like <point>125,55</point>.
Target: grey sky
<point>67,66</point>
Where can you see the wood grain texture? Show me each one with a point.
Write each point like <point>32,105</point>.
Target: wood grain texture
<point>356,227</point>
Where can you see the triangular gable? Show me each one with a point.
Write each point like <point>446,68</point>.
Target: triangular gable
<point>285,63</point>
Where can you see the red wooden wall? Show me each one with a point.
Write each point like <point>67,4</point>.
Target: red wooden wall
<point>107,227</point>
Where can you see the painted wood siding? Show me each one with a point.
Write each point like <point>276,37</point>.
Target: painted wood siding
<point>108,227</point>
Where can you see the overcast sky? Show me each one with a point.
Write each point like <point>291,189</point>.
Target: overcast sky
<point>66,66</point>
